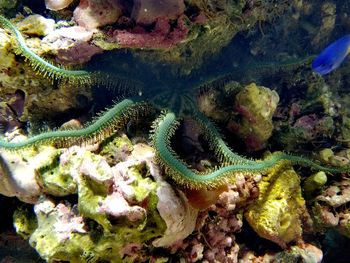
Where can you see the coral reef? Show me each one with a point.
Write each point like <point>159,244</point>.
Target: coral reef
<point>151,178</point>
<point>99,187</point>
<point>328,15</point>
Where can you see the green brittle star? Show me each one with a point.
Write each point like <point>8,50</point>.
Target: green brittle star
<point>46,69</point>
<point>163,130</point>
<point>164,127</point>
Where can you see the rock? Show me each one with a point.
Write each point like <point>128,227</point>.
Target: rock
<point>36,25</point>
<point>71,45</point>
<point>56,5</point>
<point>18,176</point>
<point>92,14</point>
<point>256,106</point>
<point>276,214</point>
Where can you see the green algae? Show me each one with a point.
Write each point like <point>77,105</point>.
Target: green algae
<point>24,222</point>
<point>116,148</point>
<point>276,214</point>
<point>55,179</point>
<point>97,245</point>
<point>315,182</point>
<point>106,236</point>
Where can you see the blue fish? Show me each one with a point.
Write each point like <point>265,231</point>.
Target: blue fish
<point>332,56</point>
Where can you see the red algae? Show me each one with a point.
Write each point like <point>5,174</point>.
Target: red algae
<point>163,36</point>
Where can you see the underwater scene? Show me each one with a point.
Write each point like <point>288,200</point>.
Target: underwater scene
<point>213,131</point>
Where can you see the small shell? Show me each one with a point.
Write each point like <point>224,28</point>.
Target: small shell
<point>56,5</point>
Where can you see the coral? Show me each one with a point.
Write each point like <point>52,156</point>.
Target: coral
<point>255,126</point>
<point>104,198</point>
<point>214,237</point>
<point>345,131</point>
<point>276,214</point>
<point>336,194</point>
<point>181,37</point>
<point>328,156</point>
<point>39,95</point>
<point>11,110</point>
<point>99,187</point>
<point>308,127</point>
<point>39,64</point>
<point>179,217</point>
<point>310,120</point>
<point>214,98</point>
<point>24,222</point>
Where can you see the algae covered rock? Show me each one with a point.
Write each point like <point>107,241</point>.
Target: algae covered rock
<point>93,210</point>
<point>39,94</point>
<point>276,214</point>
<point>36,25</point>
<point>18,172</point>
<point>6,5</point>
<point>255,105</point>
